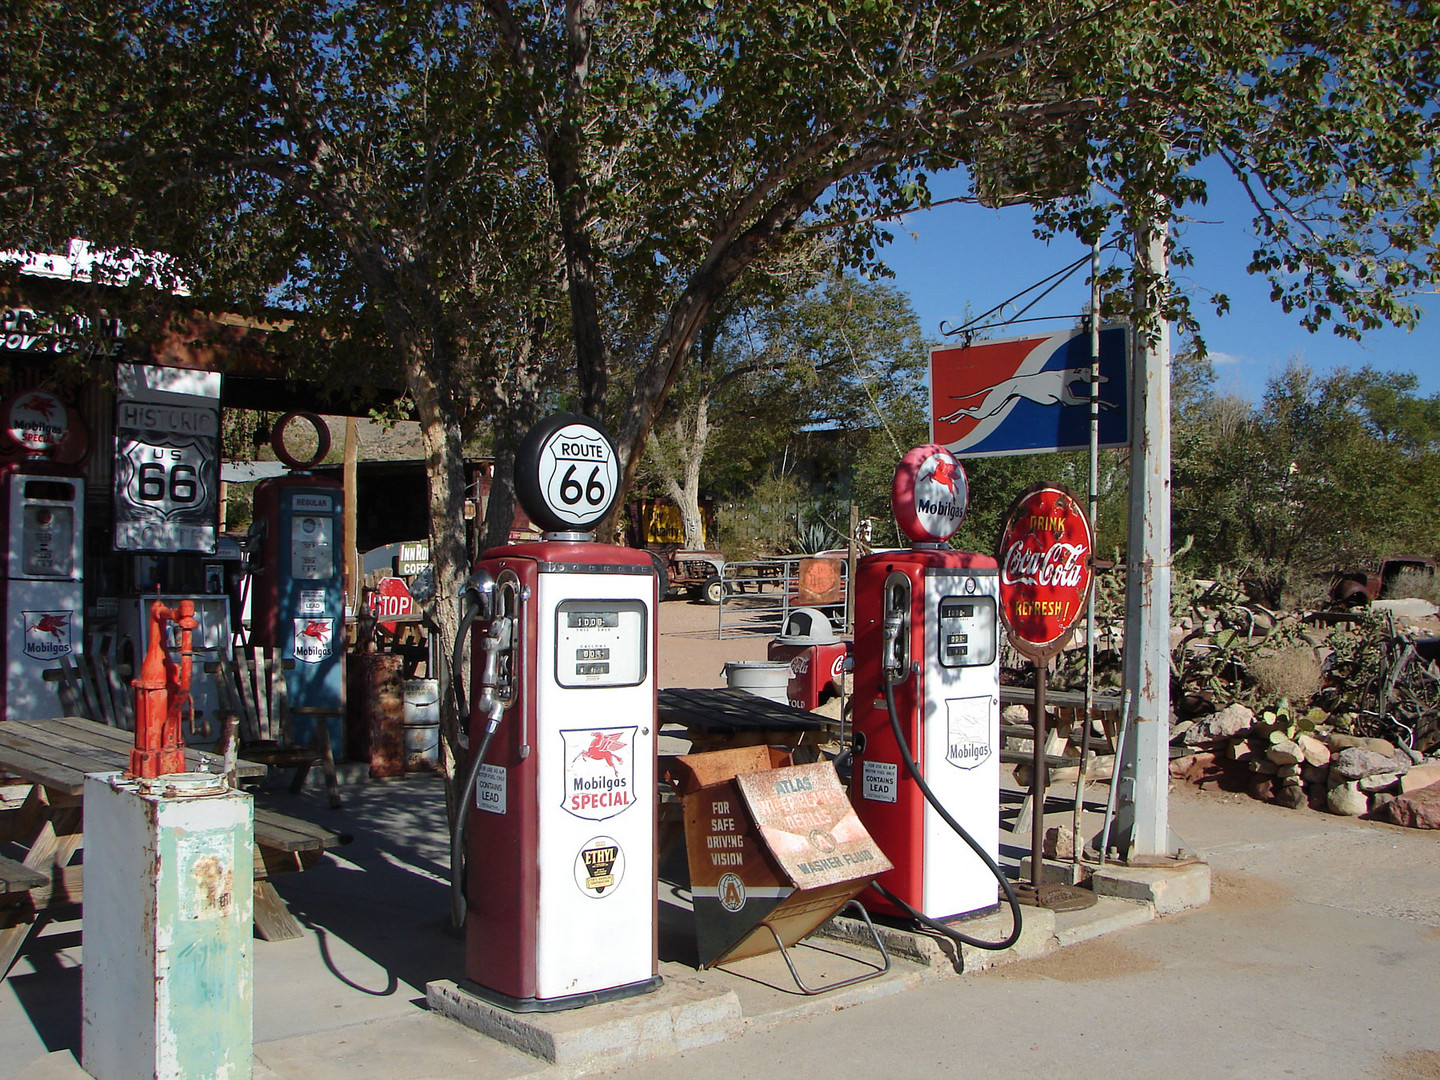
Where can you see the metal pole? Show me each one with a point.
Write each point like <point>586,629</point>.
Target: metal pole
<point>1145,810</point>
<point>1037,779</point>
<point>1094,501</point>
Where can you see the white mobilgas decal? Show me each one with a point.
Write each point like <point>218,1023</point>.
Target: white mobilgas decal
<point>967,724</point>
<point>314,640</point>
<point>47,634</point>
<point>599,779</point>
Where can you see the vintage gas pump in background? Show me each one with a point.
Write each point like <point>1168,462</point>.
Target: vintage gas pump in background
<point>556,853</point>
<point>44,507</point>
<point>298,588</point>
<point>926,778</point>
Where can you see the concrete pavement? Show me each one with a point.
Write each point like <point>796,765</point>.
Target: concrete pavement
<point>1316,958</point>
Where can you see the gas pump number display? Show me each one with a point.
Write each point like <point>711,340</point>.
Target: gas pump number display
<point>312,550</point>
<point>600,643</point>
<point>968,631</point>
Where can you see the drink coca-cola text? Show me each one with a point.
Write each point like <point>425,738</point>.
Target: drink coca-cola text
<point>1059,566</point>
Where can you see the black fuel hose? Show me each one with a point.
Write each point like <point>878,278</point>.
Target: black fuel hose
<point>457,833</point>
<point>933,924</point>
<point>462,809</point>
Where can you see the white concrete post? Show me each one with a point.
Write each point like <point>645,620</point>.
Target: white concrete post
<point>1144,817</point>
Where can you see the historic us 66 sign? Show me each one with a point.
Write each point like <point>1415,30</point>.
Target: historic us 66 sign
<point>566,473</point>
<point>1045,569</point>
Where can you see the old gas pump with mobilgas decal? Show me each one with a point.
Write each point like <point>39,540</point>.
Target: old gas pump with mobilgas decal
<point>43,503</point>
<point>926,774</point>
<point>554,863</point>
<point>298,583</point>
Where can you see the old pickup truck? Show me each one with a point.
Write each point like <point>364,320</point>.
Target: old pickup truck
<point>1356,588</point>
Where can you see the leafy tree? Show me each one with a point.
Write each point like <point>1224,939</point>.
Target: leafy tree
<point>826,378</point>
<point>1326,471</point>
<point>486,188</point>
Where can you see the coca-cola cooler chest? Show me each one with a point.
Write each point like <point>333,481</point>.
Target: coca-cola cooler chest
<point>815,654</point>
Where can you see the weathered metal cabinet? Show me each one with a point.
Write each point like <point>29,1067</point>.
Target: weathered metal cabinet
<point>167,985</point>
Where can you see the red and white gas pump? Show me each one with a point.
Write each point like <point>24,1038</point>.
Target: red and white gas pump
<point>559,901</point>
<point>42,602</point>
<point>926,773</point>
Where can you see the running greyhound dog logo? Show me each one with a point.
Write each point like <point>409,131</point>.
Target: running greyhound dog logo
<point>1052,387</point>
<point>1023,395</point>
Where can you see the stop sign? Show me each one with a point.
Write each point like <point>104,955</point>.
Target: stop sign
<point>390,599</point>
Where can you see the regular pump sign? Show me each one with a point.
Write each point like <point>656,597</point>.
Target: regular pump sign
<point>1045,569</point>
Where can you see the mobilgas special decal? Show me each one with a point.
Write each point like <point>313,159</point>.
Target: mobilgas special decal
<point>599,867</point>
<point>599,779</point>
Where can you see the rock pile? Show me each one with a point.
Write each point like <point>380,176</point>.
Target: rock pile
<point>1294,763</point>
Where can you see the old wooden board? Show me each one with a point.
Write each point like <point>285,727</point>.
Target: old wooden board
<point>726,711</point>
<point>809,826</point>
<point>746,879</point>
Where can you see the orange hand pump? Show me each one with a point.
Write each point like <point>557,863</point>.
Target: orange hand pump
<point>162,693</point>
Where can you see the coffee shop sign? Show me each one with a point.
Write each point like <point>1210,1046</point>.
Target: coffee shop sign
<point>24,329</point>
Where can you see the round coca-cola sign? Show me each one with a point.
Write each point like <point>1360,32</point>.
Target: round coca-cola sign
<point>929,494</point>
<point>1045,569</point>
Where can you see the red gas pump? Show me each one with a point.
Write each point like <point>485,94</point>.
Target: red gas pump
<point>926,765</point>
<point>559,904</point>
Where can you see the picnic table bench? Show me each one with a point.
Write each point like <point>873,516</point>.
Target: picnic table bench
<point>51,758</point>
<point>719,718</point>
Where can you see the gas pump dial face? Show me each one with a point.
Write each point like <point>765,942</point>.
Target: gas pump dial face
<point>566,474</point>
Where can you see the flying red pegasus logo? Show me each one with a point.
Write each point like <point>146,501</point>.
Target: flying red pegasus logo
<point>944,473</point>
<point>317,630</point>
<point>602,748</point>
<point>43,404</point>
<point>54,625</point>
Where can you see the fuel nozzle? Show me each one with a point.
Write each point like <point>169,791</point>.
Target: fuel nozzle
<point>479,589</point>
<point>894,648</point>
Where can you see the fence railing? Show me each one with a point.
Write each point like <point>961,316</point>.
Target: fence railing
<point>756,597</point>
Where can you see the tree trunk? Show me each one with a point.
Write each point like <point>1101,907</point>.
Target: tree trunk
<point>444,465</point>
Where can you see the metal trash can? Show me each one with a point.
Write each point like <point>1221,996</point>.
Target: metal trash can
<point>763,678</point>
<point>815,654</point>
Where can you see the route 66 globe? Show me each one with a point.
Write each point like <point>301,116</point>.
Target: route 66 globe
<point>566,473</point>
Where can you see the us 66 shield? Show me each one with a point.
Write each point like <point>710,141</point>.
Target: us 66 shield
<point>566,473</point>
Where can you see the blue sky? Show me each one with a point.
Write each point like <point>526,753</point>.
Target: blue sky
<point>956,254</point>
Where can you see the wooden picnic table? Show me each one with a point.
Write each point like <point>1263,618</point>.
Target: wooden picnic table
<point>52,757</point>
<point>718,718</point>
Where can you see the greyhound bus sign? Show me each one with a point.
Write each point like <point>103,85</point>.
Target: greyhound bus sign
<point>1028,395</point>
